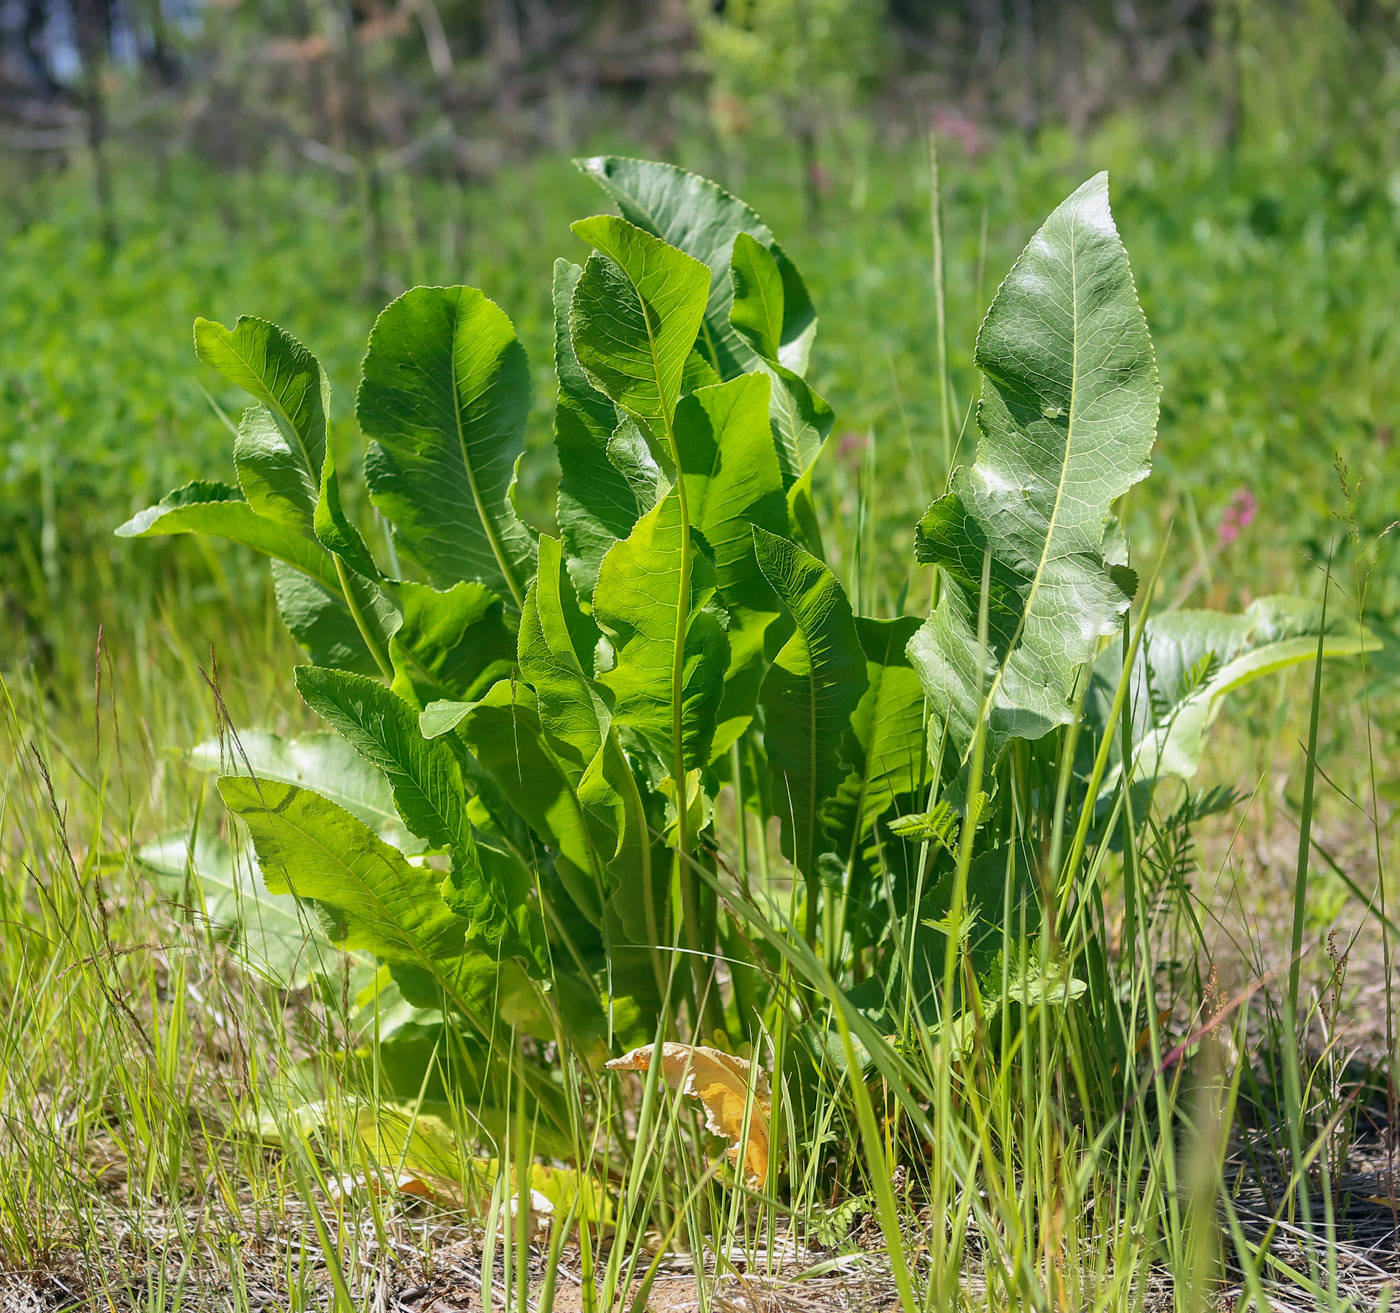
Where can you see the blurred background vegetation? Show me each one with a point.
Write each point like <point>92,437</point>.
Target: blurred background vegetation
<point>307,160</point>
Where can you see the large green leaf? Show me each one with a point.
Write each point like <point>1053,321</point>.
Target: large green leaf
<point>218,509</point>
<point>425,775</point>
<point>763,316</point>
<point>809,694</point>
<point>597,505</point>
<point>700,218</point>
<point>634,317</point>
<point>732,482</point>
<point>373,898</point>
<point>703,220</point>
<point>451,645</point>
<point>271,934</point>
<point>320,620</point>
<point>1189,661</point>
<point>325,762</point>
<point>759,303</point>
<point>885,742</point>
<point>504,733</point>
<point>445,393</point>
<point>670,646</point>
<point>557,643</point>
<point>281,444</point>
<point>1067,417</point>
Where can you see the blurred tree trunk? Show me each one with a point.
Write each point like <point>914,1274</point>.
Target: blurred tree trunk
<point>1026,57</point>
<point>91,19</point>
<point>33,32</point>
<point>159,56</point>
<point>505,53</point>
<point>305,27</point>
<point>359,133</point>
<point>1130,29</point>
<point>1229,42</point>
<point>990,25</point>
<point>810,156</point>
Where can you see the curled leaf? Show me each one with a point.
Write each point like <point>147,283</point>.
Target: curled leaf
<point>723,1084</point>
<point>410,1184</point>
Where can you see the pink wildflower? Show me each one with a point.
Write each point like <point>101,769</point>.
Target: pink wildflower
<point>1238,516</point>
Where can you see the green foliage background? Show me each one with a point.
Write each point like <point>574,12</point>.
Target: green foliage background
<point>1259,194</point>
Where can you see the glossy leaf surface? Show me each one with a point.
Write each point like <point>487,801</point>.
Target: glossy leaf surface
<point>1067,418</point>
<point>445,394</point>
<point>281,443</point>
<point>635,313</point>
<point>809,694</point>
<point>373,897</point>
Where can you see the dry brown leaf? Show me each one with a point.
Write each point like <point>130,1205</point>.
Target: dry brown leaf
<point>415,1184</point>
<point>721,1082</point>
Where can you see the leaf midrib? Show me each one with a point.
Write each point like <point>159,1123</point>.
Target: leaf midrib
<point>487,524</point>
<point>275,406</point>
<point>358,881</point>
<point>1060,486</point>
<point>683,588</point>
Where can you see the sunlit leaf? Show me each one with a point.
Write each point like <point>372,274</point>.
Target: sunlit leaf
<point>597,505</point>
<point>733,1091</point>
<point>1067,417</point>
<point>445,394</point>
<point>282,440</point>
<point>809,694</point>
<point>635,313</point>
<point>451,645</point>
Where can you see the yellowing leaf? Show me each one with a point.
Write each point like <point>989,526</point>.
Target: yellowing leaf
<point>728,1087</point>
<point>421,1186</point>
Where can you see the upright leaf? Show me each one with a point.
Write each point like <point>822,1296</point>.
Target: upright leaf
<point>372,896</point>
<point>700,218</point>
<point>809,694</point>
<point>732,483</point>
<point>703,220</point>
<point>885,742</point>
<point>636,311</point>
<point>757,312</point>
<point>630,454</point>
<point>281,444</point>
<point>597,504</point>
<point>1067,416</point>
<point>445,393</point>
<point>671,649</point>
<point>504,733</point>
<point>451,645</point>
<point>556,644</point>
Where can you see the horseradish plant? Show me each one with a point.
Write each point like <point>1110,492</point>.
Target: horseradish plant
<point>529,830</point>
